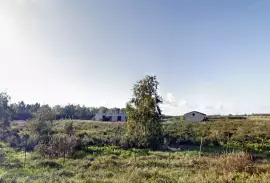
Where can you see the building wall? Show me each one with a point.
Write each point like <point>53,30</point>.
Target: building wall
<point>99,116</point>
<point>124,117</point>
<point>197,117</point>
<point>114,116</point>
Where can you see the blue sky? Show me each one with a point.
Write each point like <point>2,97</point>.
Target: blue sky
<point>212,56</point>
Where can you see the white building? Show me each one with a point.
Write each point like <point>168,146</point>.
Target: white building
<point>110,116</point>
<point>194,116</point>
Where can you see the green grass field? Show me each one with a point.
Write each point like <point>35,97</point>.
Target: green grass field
<point>109,163</point>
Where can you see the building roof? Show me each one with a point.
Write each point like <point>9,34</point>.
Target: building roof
<point>195,112</point>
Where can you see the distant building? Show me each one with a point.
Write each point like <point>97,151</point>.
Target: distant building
<point>195,116</point>
<point>113,115</point>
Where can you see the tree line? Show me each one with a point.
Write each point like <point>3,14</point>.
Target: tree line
<point>23,111</point>
<point>143,129</point>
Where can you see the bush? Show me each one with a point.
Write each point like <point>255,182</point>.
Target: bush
<point>31,143</point>
<point>79,154</point>
<point>11,137</point>
<point>59,146</point>
<point>68,128</point>
<point>14,140</point>
<point>42,130</point>
<point>50,164</point>
<point>13,164</point>
<point>84,141</point>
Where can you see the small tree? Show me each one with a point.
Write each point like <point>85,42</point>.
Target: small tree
<point>40,130</point>
<point>68,128</point>
<point>25,137</point>
<point>60,145</point>
<point>41,125</point>
<point>143,127</point>
<point>5,111</point>
<point>45,113</point>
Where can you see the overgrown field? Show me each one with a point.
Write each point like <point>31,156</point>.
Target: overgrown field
<point>111,164</point>
<point>252,135</point>
<point>232,151</point>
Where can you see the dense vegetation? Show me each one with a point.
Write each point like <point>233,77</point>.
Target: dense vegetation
<point>252,134</point>
<point>43,149</point>
<point>144,115</point>
<point>99,154</point>
<point>22,111</point>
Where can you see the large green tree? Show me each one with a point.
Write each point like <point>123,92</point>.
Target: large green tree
<point>45,113</point>
<point>144,129</point>
<point>5,111</point>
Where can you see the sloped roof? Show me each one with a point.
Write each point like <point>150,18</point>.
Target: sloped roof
<point>195,112</point>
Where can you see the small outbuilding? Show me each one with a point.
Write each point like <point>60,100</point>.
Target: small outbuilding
<point>195,116</point>
<point>112,115</point>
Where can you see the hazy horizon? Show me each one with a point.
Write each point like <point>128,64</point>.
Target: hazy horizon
<point>210,56</point>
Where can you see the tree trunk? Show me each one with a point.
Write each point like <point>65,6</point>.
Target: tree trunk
<point>25,152</point>
<point>65,150</point>
<point>201,145</point>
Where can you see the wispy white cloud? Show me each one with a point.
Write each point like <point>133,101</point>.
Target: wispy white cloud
<point>170,100</point>
<point>209,104</point>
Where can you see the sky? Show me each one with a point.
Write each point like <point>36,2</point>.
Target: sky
<point>210,56</point>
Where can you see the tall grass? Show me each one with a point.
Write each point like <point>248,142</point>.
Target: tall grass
<point>99,162</point>
<point>233,162</point>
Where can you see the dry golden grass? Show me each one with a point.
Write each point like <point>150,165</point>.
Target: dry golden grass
<point>233,162</point>
<point>178,167</point>
<point>259,118</point>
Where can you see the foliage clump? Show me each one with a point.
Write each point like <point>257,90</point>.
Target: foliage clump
<point>60,145</point>
<point>5,111</point>
<point>144,129</point>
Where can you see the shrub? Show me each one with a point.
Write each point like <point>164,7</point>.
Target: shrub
<point>14,140</point>
<point>79,154</point>
<point>13,164</point>
<point>68,128</point>
<point>31,143</point>
<point>42,130</point>
<point>59,146</point>
<point>50,164</point>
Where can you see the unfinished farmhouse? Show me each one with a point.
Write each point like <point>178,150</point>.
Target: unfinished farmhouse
<point>195,116</point>
<point>113,115</point>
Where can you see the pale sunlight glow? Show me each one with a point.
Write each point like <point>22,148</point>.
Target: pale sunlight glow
<point>92,52</point>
